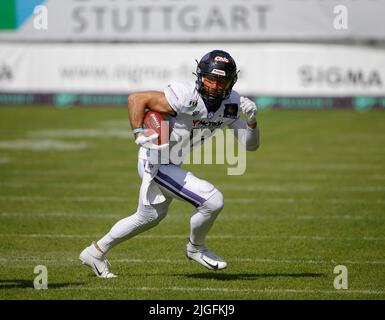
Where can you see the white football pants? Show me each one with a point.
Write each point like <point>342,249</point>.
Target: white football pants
<point>177,183</point>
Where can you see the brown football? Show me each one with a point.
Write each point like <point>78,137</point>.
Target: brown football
<point>154,122</point>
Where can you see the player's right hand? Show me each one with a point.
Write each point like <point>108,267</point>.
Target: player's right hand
<point>149,141</point>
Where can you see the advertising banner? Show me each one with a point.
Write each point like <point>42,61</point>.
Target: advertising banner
<point>191,20</point>
<point>265,69</point>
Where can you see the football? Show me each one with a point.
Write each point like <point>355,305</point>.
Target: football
<point>154,122</point>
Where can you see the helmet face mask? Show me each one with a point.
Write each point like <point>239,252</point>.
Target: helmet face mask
<point>216,87</point>
<point>216,75</point>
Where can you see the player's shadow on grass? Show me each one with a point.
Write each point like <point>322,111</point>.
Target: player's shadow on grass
<point>252,276</point>
<point>28,284</point>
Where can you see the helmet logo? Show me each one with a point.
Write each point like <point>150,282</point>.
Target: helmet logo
<point>221,59</point>
<point>219,72</point>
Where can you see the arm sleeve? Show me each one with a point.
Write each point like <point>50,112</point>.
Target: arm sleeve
<point>248,137</point>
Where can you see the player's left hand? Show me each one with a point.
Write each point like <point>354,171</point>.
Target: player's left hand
<point>148,142</point>
<point>249,109</point>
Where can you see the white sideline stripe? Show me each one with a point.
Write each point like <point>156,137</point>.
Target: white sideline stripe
<point>225,290</point>
<point>71,185</point>
<point>250,216</point>
<point>70,173</point>
<point>361,188</point>
<point>175,236</point>
<point>114,123</point>
<point>42,145</point>
<point>306,177</point>
<point>228,200</point>
<point>79,133</point>
<point>293,200</point>
<point>63,214</point>
<point>67,199</point>
<point>262,187</point>
<point>149,261</point>
<point>4,160</point>
<point>310,176</point>
<point>294,165</point>
<point>340,150</point>
<point>343,217</point>
<point>303,188</point>
<point>251,175</point>
<point>256,260</point>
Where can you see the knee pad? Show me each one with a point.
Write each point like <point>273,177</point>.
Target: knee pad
<point>214,204</point>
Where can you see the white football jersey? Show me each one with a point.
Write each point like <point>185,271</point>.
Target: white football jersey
<point>192,123</point>
<point>191,112</point>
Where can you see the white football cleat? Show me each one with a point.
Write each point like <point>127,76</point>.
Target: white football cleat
<point>203,256</point>
<point>98,265</point>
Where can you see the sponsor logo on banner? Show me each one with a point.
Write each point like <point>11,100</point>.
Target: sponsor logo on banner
<point>275,70</point>
<point>13,13</point>
<point>335,76</point>
<point>165,20</point>
<point>5,73</point>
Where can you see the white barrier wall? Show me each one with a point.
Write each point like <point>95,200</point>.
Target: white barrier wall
<point>265,69</point>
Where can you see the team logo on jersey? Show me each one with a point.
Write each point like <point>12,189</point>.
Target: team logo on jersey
<point>231,110</point>
<point>193,103</point>
<point>210,115</point>
<point>195,113</point>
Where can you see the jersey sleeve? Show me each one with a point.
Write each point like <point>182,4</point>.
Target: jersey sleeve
<point>177,95</point>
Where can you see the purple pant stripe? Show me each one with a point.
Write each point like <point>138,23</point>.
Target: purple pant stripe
<point>180,188</point>
<point>166,186</point>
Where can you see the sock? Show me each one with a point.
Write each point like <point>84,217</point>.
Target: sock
<point>203,218</point>
<point>201,224</point>
<point>125,229</point>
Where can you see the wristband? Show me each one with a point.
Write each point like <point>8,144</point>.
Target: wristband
<point>252,126</point>
<point>135,131</point>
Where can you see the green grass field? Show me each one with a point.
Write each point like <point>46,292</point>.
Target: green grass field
<point>312,198</point>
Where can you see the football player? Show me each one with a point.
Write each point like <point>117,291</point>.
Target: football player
<point>210,103</point>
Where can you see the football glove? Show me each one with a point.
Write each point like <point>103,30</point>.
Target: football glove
<point>148,141</point>
<point>249,109</point>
